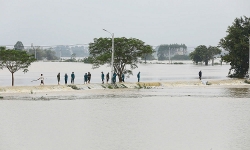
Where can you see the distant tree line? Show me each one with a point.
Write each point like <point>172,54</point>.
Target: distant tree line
<point>166,51</point>
<point>43,54</point>
<point>67,51</point>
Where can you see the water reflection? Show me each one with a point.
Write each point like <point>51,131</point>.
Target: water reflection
<point>237,92</point>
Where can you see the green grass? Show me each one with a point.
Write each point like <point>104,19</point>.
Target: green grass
<point>124,86</point>
<point>208,83</point>
<point>247,81</point>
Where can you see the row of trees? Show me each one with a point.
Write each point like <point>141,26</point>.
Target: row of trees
<point>41,54</point>
<point>165,51</point>
<point>67,51</point>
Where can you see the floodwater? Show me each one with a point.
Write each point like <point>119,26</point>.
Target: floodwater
<point>149,72</point>
<point>171,118</point>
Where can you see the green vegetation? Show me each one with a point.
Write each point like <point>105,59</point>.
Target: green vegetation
<point>41,54</point>
<point>126,53</point>
<point>236,43</point>
<point>180,57</point>
<point>67,51</point>
<point>247,81</point>
<point>19,46</point>
<point>178,63</point>
<point>165,50</point>
<point>147,55</point>
<point>72,58</point>
<point>124,86</point>
<point>15,60</point>
<point>204,54</point>
<point>88,60</point>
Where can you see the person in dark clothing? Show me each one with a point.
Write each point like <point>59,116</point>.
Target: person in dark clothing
<point>123,77</point>
<point>102,76</point>
<point>58,78</point>
<point>89,77</point>
<point>138,76</point>
<point>107,77</point>
<point>66,78</point>
<point>114,78</point>
<point>200,75</point>
<point>72,78</point>
<point>85,78</point>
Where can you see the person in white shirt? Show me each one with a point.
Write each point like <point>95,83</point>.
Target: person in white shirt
<point>42,79</point>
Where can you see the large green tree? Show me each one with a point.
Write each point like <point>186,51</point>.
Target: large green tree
<point>15,60</point>
<point>236,43</point>
<point>203,54</point>
<point>126,53</point>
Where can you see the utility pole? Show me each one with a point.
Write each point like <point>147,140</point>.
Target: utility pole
<point>169,56</point>
<point>33,49</point>
<point>249,58</point>
<point>112,56</point>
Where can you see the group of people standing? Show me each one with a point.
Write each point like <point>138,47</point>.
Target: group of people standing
<point>87,78</point>
<point>66,78</point>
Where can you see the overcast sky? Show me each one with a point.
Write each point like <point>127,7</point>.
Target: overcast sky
<point>63,22</point>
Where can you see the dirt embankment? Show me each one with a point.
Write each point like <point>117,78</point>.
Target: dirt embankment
<point>55,88</point>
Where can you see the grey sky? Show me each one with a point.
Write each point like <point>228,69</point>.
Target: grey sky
<point>62,22</point>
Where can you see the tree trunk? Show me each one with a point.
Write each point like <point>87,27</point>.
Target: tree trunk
<point>212,61</point>
<point>120,78</point>
<point>12,78</point>
<point>206,62</point>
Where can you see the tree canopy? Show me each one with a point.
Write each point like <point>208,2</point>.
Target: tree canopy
<point>203,54</point>
<point>126,52</point>
<point>19,46</point>
<point>15,60</point>
<point>236,43</point>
